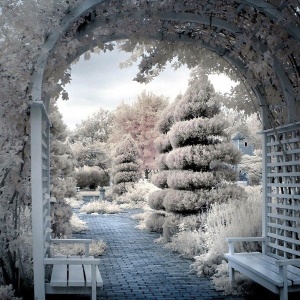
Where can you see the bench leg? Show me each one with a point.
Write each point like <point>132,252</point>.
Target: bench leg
<point>231,272</point>
<point>283,291</point>
<point>283,294</point>
<point>94,284</point>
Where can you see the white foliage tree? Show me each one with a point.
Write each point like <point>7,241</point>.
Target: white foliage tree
<point>138,119</point>
<point>200,163</point>
<point>163,147</point>
<point>63,182</point>
<point>26,25</point>
<point>126,168</point>
<point>252,166</point>
<point>94,129</point>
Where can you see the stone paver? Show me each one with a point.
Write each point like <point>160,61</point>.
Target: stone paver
<point>135,267</point>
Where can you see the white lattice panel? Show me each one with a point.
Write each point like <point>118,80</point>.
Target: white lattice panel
<point>283,191</point>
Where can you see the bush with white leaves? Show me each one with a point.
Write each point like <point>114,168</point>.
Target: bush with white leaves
<point>200,163</point>
<point>195,161</point>
<point>126,168</point>
<point>162,146</point>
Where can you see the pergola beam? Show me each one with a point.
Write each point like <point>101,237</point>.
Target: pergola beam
<point>273,12</point>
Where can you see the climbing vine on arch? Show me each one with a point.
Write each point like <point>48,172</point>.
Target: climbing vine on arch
<point>260,40</point>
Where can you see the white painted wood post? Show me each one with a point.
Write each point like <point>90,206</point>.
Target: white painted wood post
<point>284,289</point>
<point>231,270</point>
<point>37,201</point>
<point>231,273</point>
<point>264,191</point>
<point>94,283</point>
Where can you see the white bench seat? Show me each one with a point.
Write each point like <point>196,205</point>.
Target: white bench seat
<point>74,275</point>
<point>278,275</point>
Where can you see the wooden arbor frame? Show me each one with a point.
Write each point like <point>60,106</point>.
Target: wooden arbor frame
<point>193,23</point>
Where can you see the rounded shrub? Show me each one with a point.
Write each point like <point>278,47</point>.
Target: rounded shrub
<point>197,103</point>
<point>162,143</point>
<point>126,176</point>
<point>92,177</point>
<point>161,162</point>
<point>156,199</point>
<point>126,166</point>
<point>199,157</point>
<point>196,131</point>
<point>155,222</point>
<point>170,227</point>
<point>189,180</point>
<point>160,179</point>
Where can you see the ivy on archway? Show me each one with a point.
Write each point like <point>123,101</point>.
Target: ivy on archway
<point>39,39</point>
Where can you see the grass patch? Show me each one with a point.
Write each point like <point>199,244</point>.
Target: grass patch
<point>101,207</point>
<point>97,248</point>
<point>77,224</point>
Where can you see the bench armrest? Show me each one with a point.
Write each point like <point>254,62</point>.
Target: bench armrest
<point>87,243</point>
<point>232,240</point>
<point>71,241</point>
<point>72,261</point>
<point>245,239</point>
<point>286,262</point>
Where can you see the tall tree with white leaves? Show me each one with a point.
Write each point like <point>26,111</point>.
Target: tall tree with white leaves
<point>138,119</point>
<point>63,182</point>
<point>201,160</point>
<point>163,147</point>
<point>94,129</point>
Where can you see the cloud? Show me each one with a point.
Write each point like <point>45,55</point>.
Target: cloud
<point>99,82</point>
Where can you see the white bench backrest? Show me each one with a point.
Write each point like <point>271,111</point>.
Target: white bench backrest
<point>282,191</point>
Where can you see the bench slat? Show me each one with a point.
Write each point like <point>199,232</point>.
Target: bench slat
<point>258,267</point>
<point>76,276</point>
<point>59,275</point>
<point>293,273</point>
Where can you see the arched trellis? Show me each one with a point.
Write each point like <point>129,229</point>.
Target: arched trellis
<point>216,24</point>
<point>76,25</point>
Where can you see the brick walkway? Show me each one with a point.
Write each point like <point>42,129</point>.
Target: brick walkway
<point>134,267</point>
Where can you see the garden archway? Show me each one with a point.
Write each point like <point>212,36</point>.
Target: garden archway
<point>257,38</point>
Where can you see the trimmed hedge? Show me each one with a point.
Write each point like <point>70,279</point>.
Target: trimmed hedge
<point>189,180</point>
<point>197,103</point>
<point>199,157</point>
<point>161,162</point>
<point>162,144</point>
<point>130,166</point>
<point>156,199</point>
<point>177,201</point>
<point>196,131</point>
<point>126,166</point>
<point>160,179</point>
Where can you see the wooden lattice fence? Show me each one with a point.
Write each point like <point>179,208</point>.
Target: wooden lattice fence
<point>282,188</point>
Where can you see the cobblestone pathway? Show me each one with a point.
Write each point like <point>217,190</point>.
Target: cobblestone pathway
<point>134,267</point>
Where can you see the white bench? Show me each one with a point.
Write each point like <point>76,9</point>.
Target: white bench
<point>70,274</point>
<point>277,267</point>
<point>74,274</point>
<point>278,275</point>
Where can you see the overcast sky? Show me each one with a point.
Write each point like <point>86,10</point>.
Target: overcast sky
<point>99,82</point>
